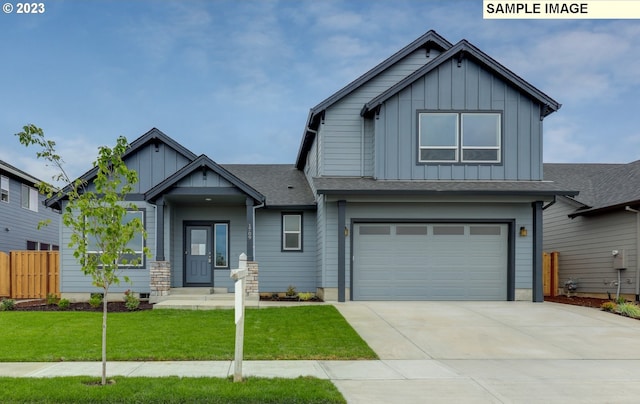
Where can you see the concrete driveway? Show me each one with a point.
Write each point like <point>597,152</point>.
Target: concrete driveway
<point>494,352</point>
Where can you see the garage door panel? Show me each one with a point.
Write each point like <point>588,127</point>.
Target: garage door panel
<point>430,261</point>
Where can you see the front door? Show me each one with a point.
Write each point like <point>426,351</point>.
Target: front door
<point>198,263</point>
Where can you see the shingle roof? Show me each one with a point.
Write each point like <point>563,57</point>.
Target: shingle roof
<point>281,184</point>
<point>346,186</point>
<point>601,186</point>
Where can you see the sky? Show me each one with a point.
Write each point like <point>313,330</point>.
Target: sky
<point>235,79</point>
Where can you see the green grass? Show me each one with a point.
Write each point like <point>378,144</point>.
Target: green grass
<point>167,390</point>
<point>305,332</point>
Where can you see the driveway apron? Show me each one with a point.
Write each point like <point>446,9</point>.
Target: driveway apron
<point>485,352</point>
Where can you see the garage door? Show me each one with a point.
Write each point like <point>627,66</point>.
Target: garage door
<point>430,261</point>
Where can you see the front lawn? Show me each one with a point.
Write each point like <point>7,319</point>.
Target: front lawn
<point>167,390</point>
<point>305,332</point>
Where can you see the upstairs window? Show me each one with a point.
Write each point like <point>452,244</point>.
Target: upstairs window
<point>4,188</point>
<point>29,198</point>
<point>450,137</point>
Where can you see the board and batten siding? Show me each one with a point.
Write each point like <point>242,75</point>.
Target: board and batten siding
<point>154,164</point>
<point>342,133</point>
<point>19,225</point>
<point>72,280</point>
<point>585,244</point>
<point>235,215</point>
<point>278,269</point>
<point>520,212</point>
<point>452,88</point>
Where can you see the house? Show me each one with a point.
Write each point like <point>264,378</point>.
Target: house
<point>420,180</point>
<point>21,210</point>
<point>587,228</point>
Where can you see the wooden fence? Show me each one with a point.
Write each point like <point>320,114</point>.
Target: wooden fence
<point>30,274</point>
<point>550,273</point>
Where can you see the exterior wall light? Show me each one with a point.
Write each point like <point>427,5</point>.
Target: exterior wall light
<point>523,231</point>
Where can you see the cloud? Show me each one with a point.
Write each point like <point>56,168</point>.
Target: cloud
<point>561,144</point>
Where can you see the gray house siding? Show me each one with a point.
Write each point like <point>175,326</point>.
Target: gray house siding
<point>235,215</point>
<point>72,280</point>
<point>585,244</point>
<point>19,225</point>
<point>342,132</point>
<point>154,164</point>
<point>278,269</point>
<point>496,210</point>
<point>452,88</point>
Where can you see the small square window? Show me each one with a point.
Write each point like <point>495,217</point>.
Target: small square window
<point>292,232</point>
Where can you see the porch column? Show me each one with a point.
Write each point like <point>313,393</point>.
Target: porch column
<point>342,208</point>
<point>538,291</point>
<point>160,230</point>
<point>250,230</point>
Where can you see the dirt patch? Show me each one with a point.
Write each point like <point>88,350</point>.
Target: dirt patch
<point>577,300</point>
<point>112,307</point>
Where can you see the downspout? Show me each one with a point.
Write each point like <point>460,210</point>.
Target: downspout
<point>254,229</point>
<point>637,212</point>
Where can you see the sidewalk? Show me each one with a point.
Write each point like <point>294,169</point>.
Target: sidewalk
<point>333,370</point>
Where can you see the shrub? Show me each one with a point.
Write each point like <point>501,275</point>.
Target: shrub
<point>130,300</point>
<point>64,304</point>
<point>608,306</point>
<point>304,296</point>
<point>96,300</point>
<point>620,300</point>
<point>8,305</point>
<point>629,310</point>
<point>291,291</point>
<point>52,299</point>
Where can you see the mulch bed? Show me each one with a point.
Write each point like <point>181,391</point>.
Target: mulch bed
<point>577,300</point>
<point>112,307</point>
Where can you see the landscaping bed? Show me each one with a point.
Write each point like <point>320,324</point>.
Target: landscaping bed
<point>112,307</point>
<point>577,300</point>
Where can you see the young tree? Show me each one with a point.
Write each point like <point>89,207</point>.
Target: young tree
<point>96,215</point>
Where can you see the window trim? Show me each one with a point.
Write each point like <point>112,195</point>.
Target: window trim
<point>143,261</point>
<point>4,188</point>
<point>283,232</point>
<point>459,146</point>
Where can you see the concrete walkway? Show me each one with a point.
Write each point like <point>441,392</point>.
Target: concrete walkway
<point>472,352</point>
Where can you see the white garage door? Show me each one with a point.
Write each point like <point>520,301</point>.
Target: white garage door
<point>430,261</point>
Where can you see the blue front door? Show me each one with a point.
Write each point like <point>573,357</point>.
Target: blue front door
<point>198,262</point>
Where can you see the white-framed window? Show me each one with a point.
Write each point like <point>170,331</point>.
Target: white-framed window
<point>459,137</point>
<point>221,245</point>
<point>134,260</point>
<point>292,232</point>
<point>4,188</point>
<point>29,198</point>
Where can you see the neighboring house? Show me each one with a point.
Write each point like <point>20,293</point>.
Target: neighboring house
<point>420,180</point>
<point>21,210</point>
<point>586,229</point>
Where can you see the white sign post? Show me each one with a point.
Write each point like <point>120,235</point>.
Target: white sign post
<point>239,276</point>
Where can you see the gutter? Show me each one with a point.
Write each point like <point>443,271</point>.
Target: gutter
<point>637,212</point>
